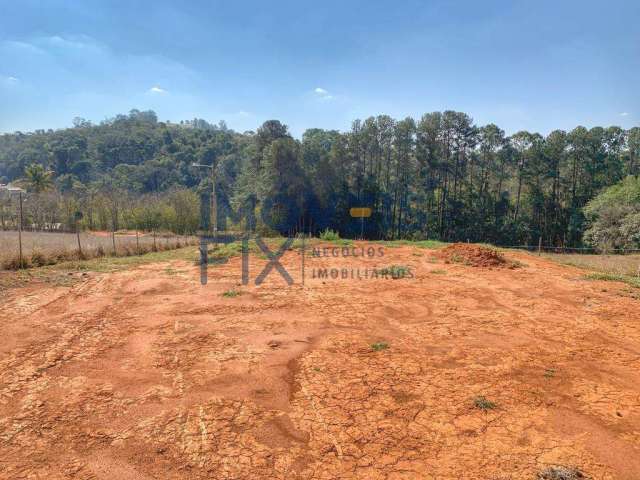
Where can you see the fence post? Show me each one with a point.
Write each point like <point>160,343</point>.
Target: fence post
<point>303,254</point>
<point>78,237</point>
<point>113,240</point>
<point>137,243</point>
<point>539,246</point>
<point>20,231</point>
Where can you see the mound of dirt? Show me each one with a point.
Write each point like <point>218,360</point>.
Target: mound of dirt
<point>474,256</point>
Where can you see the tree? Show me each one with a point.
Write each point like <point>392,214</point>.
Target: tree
<point>37,179</point>
<point>441,177</point>
<point>282,187</point>
<point>614,216</point>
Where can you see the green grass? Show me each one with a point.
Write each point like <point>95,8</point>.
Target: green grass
<point>297,243</point>
<point>379,346</point>
<point>627,265</point>
<point>345,242</point>
<point>614,277</point>
<point>231,293</point>
<point>334,237</point>
<point>329,235</point>
<point>62,274</point>
<point>456,258</point>
<point>223,251</point>
<point>110,264</point>
<point>483,403</point>
<point>438,272</point>
<point>172,271</point>
<point>428,244</point>
<point>394,271</point>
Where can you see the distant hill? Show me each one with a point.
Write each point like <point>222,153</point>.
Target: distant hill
<point>440,176</point>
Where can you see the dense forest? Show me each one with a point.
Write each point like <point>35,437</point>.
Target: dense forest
<point>440,177</point>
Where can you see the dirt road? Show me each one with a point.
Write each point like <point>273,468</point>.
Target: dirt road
<point>147,374</point>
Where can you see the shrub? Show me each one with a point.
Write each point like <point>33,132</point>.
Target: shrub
<point>329,235</point>
<point>483,403</point>
<point>559,472</point>
<point>13,263</point>
<point>231,293</point>
<point>38,259</point>
<point>379,346</point>
<point>60,256</point>
<point>52,256</point>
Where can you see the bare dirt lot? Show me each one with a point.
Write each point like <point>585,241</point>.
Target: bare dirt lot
<point>451,372</point>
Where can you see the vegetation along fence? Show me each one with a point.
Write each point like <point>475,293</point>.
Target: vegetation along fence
<point>31,249</point>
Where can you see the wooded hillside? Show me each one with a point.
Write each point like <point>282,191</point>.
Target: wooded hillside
<point>440,176</point>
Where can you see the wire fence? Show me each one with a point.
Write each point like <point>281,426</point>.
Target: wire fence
<point>582,250</point>
<point>37,248</point>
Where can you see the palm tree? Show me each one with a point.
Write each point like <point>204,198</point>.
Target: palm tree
<point>37,179</point>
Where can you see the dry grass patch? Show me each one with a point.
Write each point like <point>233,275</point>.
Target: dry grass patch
<point>559,472</point>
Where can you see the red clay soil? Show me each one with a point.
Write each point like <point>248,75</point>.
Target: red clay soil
<point>476,373</point>
<point>474,256</point>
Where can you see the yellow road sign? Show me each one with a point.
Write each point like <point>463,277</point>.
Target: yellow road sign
<point>360,212</point>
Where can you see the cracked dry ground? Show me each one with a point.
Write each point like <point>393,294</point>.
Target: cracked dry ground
<point>146,374</point>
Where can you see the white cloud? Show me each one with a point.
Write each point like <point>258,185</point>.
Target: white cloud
<point>156,90</point>
<point>22,47</point>
<point>242,113</point>
<point>10,80</point>
<point>73,42</point>
<point>624,114</point>
<point>79,63</point>
<point>90,79</point>
<point>322,93</point>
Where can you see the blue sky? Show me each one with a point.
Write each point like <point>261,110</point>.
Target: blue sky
<point>535,65</point>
